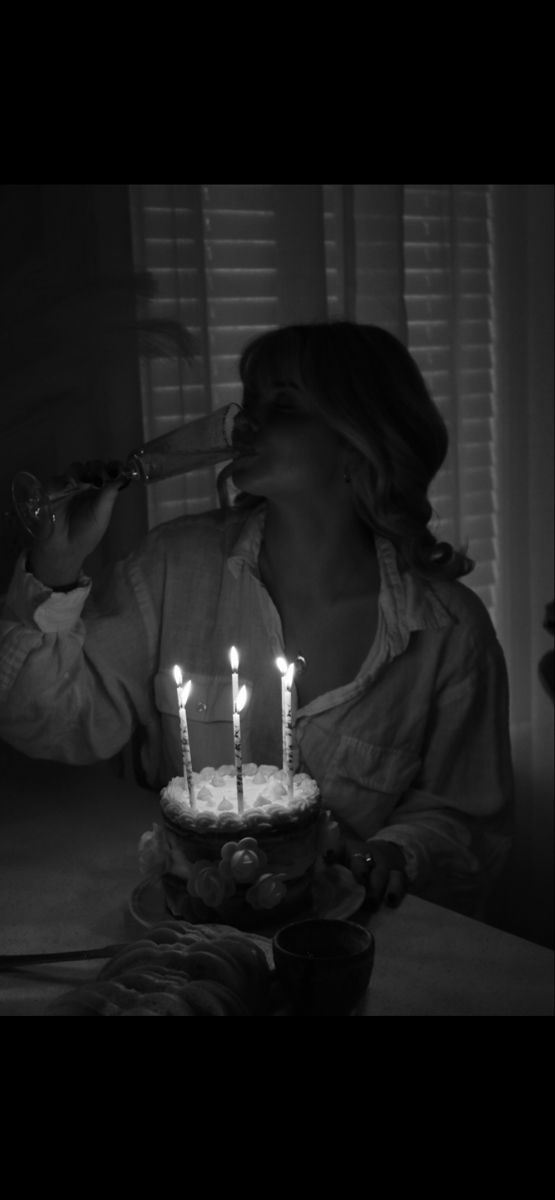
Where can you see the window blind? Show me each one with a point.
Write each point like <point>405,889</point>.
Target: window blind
<point>415,258</point>
<point>211,250</point>
<point>364,253</point>
<point>448,299</point>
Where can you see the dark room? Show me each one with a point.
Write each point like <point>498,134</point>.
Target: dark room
<point>276,600</point>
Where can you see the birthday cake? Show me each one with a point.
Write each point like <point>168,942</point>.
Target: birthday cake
<point>239,868</point>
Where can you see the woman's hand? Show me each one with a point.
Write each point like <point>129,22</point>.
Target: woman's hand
<point>381,868</point>
<point>80,523</point>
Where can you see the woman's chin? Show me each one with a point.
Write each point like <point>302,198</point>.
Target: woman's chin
<point>243,473</point>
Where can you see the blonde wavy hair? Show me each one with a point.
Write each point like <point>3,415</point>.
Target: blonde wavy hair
<point>370,391</point>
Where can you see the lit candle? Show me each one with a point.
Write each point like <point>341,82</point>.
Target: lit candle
<point>182,697</point>
<point>238,706</point>
<point>281,664</point>
<point>234,660</point>
<point>288,745</point>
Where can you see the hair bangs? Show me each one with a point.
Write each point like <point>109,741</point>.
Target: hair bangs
<point>273,358</point>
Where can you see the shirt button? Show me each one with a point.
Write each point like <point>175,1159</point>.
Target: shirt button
<point>201,706</point>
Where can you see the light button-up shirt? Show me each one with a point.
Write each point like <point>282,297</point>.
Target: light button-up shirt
<point>414,750</point>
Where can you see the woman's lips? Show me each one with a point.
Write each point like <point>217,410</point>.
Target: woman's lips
<point>244,452</point>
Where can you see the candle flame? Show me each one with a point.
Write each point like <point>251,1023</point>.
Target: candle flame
<point>289,676</point>
<point>186,689</point>
<point>234,659</point>
<point>242,697</point>
<point>281,664</point>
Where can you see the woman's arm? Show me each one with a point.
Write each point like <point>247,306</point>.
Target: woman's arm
<point>74,672</point>
<point>454,823</point>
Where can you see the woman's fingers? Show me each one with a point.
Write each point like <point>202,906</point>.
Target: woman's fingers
<point>372,871</point>
<point>377,882</point>
<point>395,889</point>
<point>87,514</point>
<point>382,881</point>
<point>105,503</point>
<point>81,517</point>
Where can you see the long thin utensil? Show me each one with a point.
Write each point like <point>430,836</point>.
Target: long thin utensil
<point>8,961</point>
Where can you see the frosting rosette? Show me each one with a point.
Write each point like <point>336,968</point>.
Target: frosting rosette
<point>207,883</point>
<point>266,799</point>
<point>242,861</point>
<point>229,821</point>
<point>268,891</point>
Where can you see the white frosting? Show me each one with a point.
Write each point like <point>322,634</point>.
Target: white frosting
<point>266,803</point>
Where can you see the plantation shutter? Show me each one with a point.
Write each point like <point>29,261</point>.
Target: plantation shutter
<point>448,298</point>
<point>416,259</point>
<point>232,260</point>
<point>364,253</point>
<point>229,261</point>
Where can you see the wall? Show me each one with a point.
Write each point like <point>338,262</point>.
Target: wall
<point>68,368</point>
<point>541,507</point>
<point>524,326</point>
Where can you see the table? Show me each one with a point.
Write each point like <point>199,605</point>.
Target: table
<point>68,866</point>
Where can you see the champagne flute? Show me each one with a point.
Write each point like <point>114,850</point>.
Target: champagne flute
<point>200,442</point>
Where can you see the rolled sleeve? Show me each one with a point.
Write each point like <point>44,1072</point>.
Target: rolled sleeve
<point>74,670</point>
<point>30,610</point>
<point>455,821</point>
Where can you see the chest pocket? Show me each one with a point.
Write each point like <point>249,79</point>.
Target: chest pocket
<point>209,721</point>
<point>364,782</point>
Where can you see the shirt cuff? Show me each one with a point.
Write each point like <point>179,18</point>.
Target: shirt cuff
<point>33,602</point>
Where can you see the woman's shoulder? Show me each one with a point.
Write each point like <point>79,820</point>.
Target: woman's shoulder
<point>466,609</point>
<point>435,602</point>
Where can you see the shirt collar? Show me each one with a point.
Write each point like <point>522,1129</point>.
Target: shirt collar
<point>246,548</point>
<point>407,602</point>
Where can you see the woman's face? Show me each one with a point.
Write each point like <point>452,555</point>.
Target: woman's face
<point>285,447</point>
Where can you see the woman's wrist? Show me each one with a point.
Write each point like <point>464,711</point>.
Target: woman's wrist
<point>60,575</point>
<point>63,587</point>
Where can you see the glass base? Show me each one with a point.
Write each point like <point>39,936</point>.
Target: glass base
<point>32,505</point>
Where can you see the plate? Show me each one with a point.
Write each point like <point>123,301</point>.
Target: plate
<point>335,894</point>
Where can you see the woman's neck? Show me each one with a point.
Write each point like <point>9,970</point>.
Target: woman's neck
<point>317,551</point>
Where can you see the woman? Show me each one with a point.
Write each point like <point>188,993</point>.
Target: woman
<point>324,555</point>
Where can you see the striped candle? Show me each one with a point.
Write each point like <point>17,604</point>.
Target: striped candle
<point>288,735</point>
<point>237,709</point>
<point>183,691</point>
<point>281,664</point>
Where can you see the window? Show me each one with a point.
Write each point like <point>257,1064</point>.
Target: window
<point>415,258</point>
<point>448,299</point>
<point>211,249</point>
